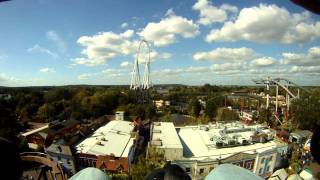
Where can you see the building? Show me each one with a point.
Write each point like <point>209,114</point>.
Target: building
<point>300,136</point>
<point>164,137</point>
<point>5,96</point>
<point>36,134</point>
<point>161,103</point>
<point>41,135</point>
<point>61,152</point>
<point>108,148</point>
<point>204,147</point>
<point>246,117</point>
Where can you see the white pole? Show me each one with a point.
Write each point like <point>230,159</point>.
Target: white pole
<point>277,93</point>
<point>267,95</point>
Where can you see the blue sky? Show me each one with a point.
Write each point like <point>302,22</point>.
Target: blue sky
<point>193,42</point>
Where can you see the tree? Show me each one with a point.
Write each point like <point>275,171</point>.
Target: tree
<point>306,110</point>
<point>46,112</point>
<point>295,162</point>
<point>264,116</point>
<point>225,114</point>
<point>202,119</point>
<point>9,126</point>
<point>145,166</point>
<point>194,107</point>
<point>211,108</point>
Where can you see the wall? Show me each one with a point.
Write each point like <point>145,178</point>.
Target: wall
<point>265,162</point>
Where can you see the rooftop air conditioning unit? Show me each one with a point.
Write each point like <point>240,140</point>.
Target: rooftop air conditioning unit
<point>156,131</point>
<point>99,143</point>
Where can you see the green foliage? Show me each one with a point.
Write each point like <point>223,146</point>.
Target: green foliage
<point>263,115</point>
<point>211,108</point>
<point>144,111</point>
<point>194,107</point>
<point>225,114</point>
<point>46,112</point>
<point>119,176</point>
<point>166,117</point>
<point>203,119</point>
<point>144,166</point>
<point>306,110</point>
<point>295,162</point>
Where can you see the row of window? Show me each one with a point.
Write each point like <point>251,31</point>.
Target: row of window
<point>266,159</point>
<point>248,165</point>
<point>266,170</point>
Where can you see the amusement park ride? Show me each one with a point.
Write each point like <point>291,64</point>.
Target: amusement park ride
<point>141,89</point>
<point>286,85</point>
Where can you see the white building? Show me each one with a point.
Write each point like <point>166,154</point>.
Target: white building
<point>206,146</point>
<point>161,103</point>
<point>112,139</point>
<point>109,147</point>
<point>164,137</point>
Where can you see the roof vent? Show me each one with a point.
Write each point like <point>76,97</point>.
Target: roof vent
<point>99,143</point>
<point>156,131</point>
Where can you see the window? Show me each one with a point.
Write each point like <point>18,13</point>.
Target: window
<point>260,171</point>
<point>248,165</point>
<point>262,161</point>
<point>59,158</point>
<point>270,158</point>
<point>201,170</point>
<point>59,149</point>
<point>268,168</point>
<point>188,170</point>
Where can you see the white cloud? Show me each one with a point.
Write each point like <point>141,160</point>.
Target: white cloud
<point>127,34</point>
<point>124,25</point>
<point>311,58</point>
<point>305,69</point>
<point>84,76</point>
<point>104,46</point>
<point>6,78</point>
<point>53,36</point>
<point>47,70</point>
<point>227,67</point>
<point>268,23</point>
<point>225,54</point>
<point>166,31</point>
<point>263,62</point>
<point>154,55</point>
<point>191,70</point>
<point>125,64</point>
<point>38,49</point>
<point>210,14</point>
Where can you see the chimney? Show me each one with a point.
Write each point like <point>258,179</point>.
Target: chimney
<point>120,115</point>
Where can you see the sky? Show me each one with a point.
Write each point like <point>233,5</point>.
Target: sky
<point>193,42</point>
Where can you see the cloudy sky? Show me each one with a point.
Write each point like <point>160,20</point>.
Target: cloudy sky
<point>61,42</point>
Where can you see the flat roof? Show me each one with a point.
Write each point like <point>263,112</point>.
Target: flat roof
<point>112,139</point>
<point>198,146</point>
<point>40,127</point>
<point>166,132</point>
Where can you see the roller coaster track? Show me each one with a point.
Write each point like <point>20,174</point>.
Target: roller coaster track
<point>56,170</point>
<point>290,82</point>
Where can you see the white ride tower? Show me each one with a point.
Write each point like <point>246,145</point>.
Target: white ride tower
<point>141,88</point>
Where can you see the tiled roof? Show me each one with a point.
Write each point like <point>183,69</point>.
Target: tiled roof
<point>112,164</point>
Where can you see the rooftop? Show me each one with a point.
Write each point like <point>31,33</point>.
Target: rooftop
<point>166,135</point>
<point>35,127</point>
<point>199,144</point>
<point>112,139</point>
